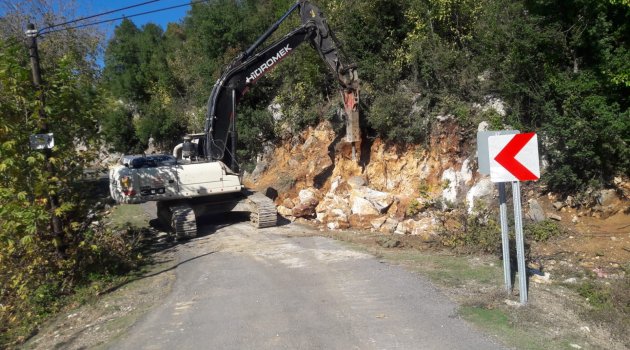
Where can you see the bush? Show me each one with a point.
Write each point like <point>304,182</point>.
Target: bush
<point>413,208</point>
<point>597,295</point>
<point>542,231</point>
<point>394,117</point>
<point>472,233</point>
<point>34,280</point>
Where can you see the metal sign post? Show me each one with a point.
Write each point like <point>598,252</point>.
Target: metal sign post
<point>505,238</point>
<point>520,242</point>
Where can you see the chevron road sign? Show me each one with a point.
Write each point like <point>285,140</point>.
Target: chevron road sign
<point>514,157</point>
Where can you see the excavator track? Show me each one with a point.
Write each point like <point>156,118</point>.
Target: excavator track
<point>181,219</point>
<point>263,211</point>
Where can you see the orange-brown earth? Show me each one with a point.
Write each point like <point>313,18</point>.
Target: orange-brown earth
<point>598,243</point>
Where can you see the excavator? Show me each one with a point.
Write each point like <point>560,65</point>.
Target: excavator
<point>202,175</point>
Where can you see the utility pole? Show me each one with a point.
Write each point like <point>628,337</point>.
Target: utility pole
<point>53,199</point>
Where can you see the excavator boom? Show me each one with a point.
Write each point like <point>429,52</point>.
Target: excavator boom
<point>249,66</point>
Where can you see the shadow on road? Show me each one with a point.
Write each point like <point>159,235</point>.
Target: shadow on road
<point>157,240</point>
<point>153,274</point>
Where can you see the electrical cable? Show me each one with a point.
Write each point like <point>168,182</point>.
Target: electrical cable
<point>99,14</point>
<point>43,31</point>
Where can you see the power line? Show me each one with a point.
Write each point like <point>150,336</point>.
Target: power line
<point>46,31</point>
<point>99,14</point>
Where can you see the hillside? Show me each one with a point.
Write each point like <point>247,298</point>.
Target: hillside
<point>431,73</point>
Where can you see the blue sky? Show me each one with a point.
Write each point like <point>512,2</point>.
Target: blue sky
<point>162,18</point>
<point>89,7</point>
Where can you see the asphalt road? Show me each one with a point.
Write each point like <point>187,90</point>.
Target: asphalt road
<point>241,288</point>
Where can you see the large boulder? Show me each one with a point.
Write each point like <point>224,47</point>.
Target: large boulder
<point>287,202</point>
<point>333,211</point>
<point>389,226</point>
<point>363,207</point>
<point>424,226</point>
<point>362,222</point>
<point>378,222</point>
<point>366,201</point>
<point>309,195</point>
<point>284,211</point>
<point>305,209</point>
<point>535,211</point>
<point>381,200</point>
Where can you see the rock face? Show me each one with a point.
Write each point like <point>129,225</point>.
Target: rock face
<point>317,179</point>
<point>482,190</point>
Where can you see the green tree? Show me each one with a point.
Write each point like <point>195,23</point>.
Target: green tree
<point>137,73</point>
<point>32,273</point>
<point>122,74</point>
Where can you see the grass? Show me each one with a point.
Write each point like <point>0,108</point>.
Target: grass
<point>498,323</point>
<point>133,215</point>
<point>448,270</point>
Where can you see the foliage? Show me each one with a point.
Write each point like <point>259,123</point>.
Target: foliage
<point>596,295</point>
<point>255,127</point>
<point>542,231</point>
<point>413,208</point>
<point>560,68</point>
<point>609,301</point>
<point>396,117</point>
<point>84,43</point>
<point>475,232</point>
<point>119,131</point>
<point>37,267</point>
<point>138,76</point>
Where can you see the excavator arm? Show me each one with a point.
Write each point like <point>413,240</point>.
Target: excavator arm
<point>249,66</point>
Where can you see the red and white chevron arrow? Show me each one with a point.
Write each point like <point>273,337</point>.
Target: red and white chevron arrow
<point>514,157</point>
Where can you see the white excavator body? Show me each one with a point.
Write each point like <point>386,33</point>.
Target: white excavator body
<point>138,179</point>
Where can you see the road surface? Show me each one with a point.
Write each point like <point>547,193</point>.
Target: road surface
<point>275,288</point>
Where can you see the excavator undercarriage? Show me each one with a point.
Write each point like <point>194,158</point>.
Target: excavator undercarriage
<point>181,216</point>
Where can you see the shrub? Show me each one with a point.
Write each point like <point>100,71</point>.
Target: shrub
<point>413,208</point>
<point>471,233</point>
<point>542,231</point>
<point>392,115</point>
